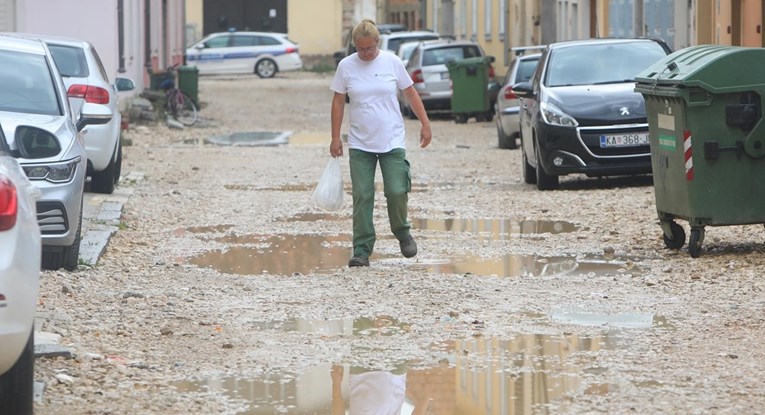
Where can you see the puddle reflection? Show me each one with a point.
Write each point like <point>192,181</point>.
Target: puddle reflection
<point>499,229</point>
<point>519,376</point>
<point>288,254</point>
<point>364,326</point>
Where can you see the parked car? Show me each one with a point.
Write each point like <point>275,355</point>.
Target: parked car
<point>349,48</point>
<point>19,284</point>
<point>262,53</point>
<point>427,67</point>
<point>580,113</point>
<point>45,135</point>
<point>391,41</point>
<point>405,50</point>
<point>87,81</point>
<point>507,105</point>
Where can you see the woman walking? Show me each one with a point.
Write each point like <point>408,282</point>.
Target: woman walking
<point>371,79</point>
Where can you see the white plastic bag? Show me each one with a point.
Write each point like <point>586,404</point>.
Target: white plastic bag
<point>328,194</point>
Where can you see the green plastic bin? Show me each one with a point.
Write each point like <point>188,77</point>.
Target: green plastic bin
<point>470,94</point>
<point>188,82</point>
<point>707,137</point>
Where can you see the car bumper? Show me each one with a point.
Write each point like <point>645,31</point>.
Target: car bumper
<point>565,150</point>
<point>100,142</point>
<point>290,62</point>
<point>509,118</point>
<point>59,208</point>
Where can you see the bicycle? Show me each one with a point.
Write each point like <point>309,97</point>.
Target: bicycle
<point>180,106</point>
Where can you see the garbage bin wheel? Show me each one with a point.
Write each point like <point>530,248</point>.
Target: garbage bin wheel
<point>678,237</point>
<point>695,241</point>
<point>488,116</point>
<point>460,118</point>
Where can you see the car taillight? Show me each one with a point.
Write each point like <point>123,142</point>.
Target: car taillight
<point>509,92</point>
<point>8,204</point>
<point>92,94</point>
<point>291,50</point>
<point>491,72</point>
<point>417,76</point>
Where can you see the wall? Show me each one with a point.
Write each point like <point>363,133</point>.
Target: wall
<point>316,26</point>
<point>193,21</point>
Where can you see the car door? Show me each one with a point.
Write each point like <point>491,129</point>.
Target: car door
<point>242,53</point>
<point>210,56</point>
<point>529,111</point>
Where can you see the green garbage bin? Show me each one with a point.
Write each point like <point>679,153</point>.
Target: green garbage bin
<point>188,82</point>
<point>707,138</point>
<point>470,93</point>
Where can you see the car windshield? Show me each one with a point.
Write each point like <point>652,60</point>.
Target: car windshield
<point>70,60</point>
<point>601,63</point>
<point>440,56</point>
<point>394,43</point>
<point>26,84</point>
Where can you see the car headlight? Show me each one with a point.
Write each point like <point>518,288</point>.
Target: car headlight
<point>555,116</point>
<point>60,172</point>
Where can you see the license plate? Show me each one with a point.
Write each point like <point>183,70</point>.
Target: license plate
<point>623,140</point>
<point>444,75</point>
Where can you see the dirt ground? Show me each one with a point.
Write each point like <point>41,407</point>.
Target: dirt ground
<point>226,290</point>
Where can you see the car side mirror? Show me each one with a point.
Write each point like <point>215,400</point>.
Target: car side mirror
<point>93,114</point>
<point>200,46</point>
<point>36,143</point>
<point>124,84</point>
<point>523,90</point>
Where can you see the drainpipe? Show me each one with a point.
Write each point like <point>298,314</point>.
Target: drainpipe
<point>147,35</point>
<point>121,35</point>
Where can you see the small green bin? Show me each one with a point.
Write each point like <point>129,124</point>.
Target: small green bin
<point>470,94</point>
<point>707,137</point>
<point>188,82</point>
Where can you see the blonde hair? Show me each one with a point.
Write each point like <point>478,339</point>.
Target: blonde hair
<point>366,28</point>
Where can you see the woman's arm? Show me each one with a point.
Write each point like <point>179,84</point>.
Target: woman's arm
<point>415,103</point>
<point>338,107</point>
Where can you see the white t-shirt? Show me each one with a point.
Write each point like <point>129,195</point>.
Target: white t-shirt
<point>374,115</point>
<point>376,393</point>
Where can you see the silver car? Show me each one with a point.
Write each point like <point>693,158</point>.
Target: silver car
<point>507,107</point>
<point>19,284</point>
<point>86,81</point>
<point>44,134</point>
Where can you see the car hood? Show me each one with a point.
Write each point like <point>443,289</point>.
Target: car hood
<point>594,104</point>
<point>54,124</point>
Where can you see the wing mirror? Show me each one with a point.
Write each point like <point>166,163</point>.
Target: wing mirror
<point>124,84</point>
<point>93,114</point>
<point>523,90</point>
<point>36,143</point>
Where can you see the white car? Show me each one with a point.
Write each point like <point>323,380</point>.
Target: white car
<point>262,53</point>
<point>507,106</point>
<point>19,284</point>
<point>43,133</point>
<point>86,81</point>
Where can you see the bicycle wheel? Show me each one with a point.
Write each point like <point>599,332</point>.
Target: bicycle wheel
<point>185,111</point>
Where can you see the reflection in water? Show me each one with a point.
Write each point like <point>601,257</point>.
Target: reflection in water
<point>620,320</point>
<point>482,376</point>
<point>287,254</point>
<point>364,326</point>
<point>284,188</point>
<point>499,229</point>
<point>312,217</point>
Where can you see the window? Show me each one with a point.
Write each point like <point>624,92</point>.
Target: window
<point>267,41</point>
<point>442,56</point>
<point>487,5</point>
<point>244,41</point>
<point>26,84</point>
<point>474,28</point>
<point>525,70</point>
<point>463,19</point>
<point>70,61</point>
<point>502,13</point>
<point>435,14</point>
<point>217,42</point>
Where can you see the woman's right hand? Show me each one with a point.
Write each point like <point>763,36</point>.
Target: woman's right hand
<point>336,147</point>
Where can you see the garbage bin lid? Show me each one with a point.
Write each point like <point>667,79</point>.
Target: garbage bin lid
<point>476,61</point>
<point>715,68</point>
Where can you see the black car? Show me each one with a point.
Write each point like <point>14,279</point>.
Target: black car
<point>580,113</point>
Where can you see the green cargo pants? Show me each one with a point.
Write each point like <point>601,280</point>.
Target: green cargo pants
<point>397,183</point>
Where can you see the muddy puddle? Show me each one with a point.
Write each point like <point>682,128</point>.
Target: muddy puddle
<point>287,254</point>
<point>496,229</point>
<point>476,376</point>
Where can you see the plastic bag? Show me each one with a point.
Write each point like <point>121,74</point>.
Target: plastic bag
<point>328,194</point>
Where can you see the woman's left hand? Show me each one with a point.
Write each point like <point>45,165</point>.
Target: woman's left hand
<point>425,136</point>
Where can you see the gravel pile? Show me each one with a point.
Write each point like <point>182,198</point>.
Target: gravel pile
<point>601,318</point>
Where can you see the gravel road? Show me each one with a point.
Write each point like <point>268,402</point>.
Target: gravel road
<point>226,291</point>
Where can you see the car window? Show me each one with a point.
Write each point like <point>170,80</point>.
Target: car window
<point>267,41</point>
<point>217,42</point>
<point>394,43</point>
<point>440,56</point>
<point>26,84</point>
<point>414,58</point>
<point>526,69</point>
<point>601,63</point>
<point>243,40</point>
<point>70,60</point>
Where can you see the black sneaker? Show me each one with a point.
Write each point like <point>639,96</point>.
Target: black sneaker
<point>408,247</point>
<point>358,261</point>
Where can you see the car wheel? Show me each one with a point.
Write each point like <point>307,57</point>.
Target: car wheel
<point>17,384</point>
<point>105,181</point>
<point>544,181</point>
<point>529,173</point>
<point>504,141</point>
<point>265,68</point>
<point>460,118</point>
